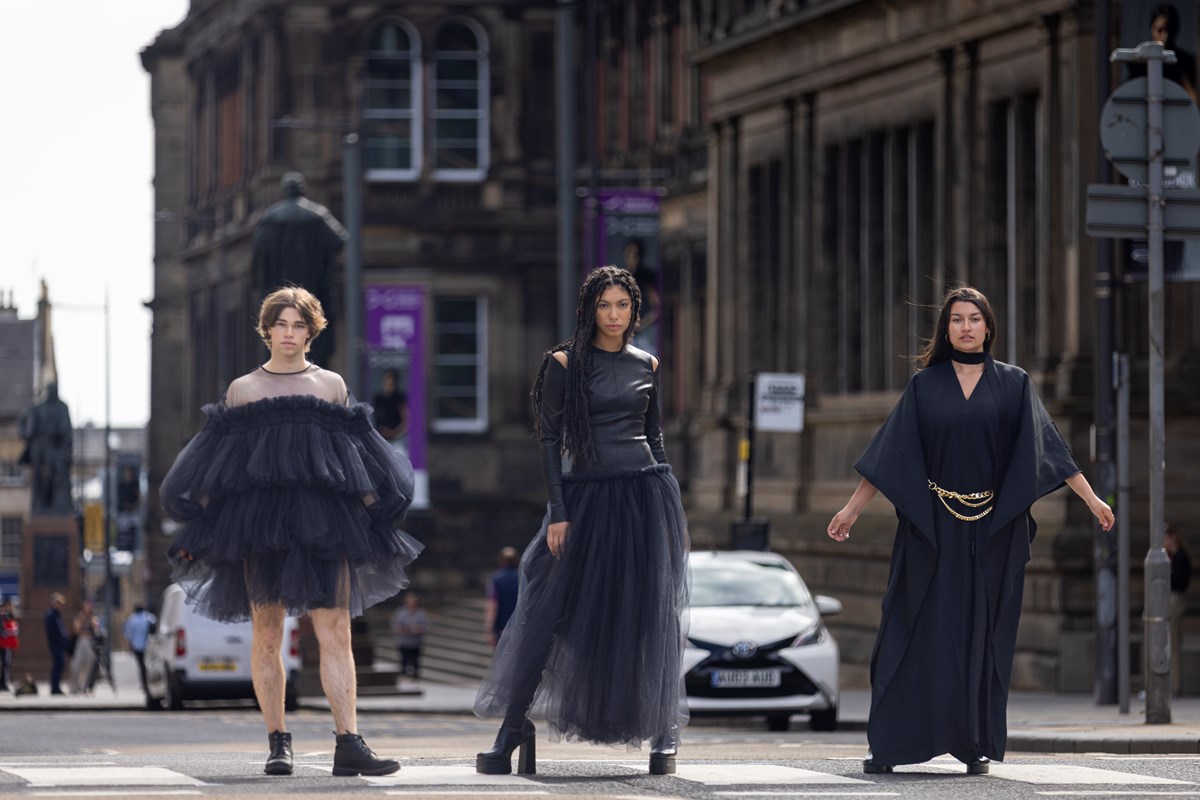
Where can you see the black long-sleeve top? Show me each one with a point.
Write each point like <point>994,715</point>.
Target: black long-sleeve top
<point>623,407</point>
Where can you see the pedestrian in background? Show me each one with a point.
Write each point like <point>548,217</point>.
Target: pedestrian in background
<point>86,628</point>
<point>597,634</point>
<point>1181,577</point>
<point>963,456</point>
<point>56,640</point>
<point>10,633</point>
<point>137,630</point>
<point>410,623</point>
<point>502,588</point>
<point>289,500</point>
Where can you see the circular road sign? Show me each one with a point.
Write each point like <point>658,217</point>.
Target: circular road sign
<point>1123,128</point>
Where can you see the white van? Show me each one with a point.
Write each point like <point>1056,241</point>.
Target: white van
<point>191,657</point>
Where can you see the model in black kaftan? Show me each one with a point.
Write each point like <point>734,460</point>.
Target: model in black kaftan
<point>943,657</point>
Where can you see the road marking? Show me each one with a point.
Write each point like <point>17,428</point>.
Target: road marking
<point>738,774</point>
<point>446,776</point>
<point>120,793</point>
<point>807,794</point>
<point>1118,794</point>
<point>427,793</point>
<point>1048,773</point>
<point>102,776</point>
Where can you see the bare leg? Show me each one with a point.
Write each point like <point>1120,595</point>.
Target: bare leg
<point>266,664</point>
<point>332,626</point>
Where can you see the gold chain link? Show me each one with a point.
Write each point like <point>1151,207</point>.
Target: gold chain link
<point>972,500</point>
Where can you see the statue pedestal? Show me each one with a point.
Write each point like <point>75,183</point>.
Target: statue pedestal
<point>50,553</point>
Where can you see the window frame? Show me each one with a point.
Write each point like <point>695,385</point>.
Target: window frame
<point>416,111</point>
<point>478,424</point>
<point>482,116</point>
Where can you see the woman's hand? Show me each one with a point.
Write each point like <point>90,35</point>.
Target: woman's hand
<point>839,526</point>
<point>1103,513</point>
<point>556,538</point>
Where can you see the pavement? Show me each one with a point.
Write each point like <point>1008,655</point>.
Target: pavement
<point>1039,722</point>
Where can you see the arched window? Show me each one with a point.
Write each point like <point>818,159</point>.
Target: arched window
<point>392,106</point>
<point>460,104</point>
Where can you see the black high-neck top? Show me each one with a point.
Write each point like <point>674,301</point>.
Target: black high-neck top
<point>623,406</point>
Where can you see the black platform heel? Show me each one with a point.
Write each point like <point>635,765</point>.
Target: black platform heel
<point>663,751</point>
<point>979,765</point>
<point>498,760</point>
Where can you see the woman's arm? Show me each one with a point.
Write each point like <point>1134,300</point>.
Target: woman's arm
<point>1098,507</point>
<point>553,386</point>
<point>839,526</point>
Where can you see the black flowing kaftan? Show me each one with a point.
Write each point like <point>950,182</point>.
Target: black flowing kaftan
<point>943,657</point>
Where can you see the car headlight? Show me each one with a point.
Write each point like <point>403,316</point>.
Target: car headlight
<point>813,635</point>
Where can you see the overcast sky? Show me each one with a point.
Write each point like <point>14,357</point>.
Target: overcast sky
<point>76,205</point>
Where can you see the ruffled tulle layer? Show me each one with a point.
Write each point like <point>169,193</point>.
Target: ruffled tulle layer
<point>289,500</point>
<point>606,621</point>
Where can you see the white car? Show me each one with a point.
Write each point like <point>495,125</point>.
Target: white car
<point>191,657</point>
<point>756,645</point>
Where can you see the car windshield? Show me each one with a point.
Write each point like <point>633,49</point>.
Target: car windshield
<point>746,584</point>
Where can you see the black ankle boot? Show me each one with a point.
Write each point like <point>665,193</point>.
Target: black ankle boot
<point>979,766</point>
<point>663,749</point>
<point>871,767</point>
<point>498,760</point>
<point>353,757</point>
<point>280,760</point>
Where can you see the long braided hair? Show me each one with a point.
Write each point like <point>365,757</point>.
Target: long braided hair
<point>576,423</point>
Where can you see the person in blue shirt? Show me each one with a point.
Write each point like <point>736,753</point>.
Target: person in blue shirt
<point>138,626</point>
<point>502,594</point>
<point>56,640</point>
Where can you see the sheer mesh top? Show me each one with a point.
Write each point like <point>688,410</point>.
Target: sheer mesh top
<point>261,384</point>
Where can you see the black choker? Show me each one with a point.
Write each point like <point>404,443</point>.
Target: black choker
<point>967,358</point>
<point>297,372</point>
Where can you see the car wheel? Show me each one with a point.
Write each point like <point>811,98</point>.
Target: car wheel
<point>173,697</point>
<point>779,722</point>
<point>153,703</point>
<point>823,720</point>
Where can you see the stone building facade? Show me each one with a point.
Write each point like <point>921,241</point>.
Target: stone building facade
<point>827,170</point>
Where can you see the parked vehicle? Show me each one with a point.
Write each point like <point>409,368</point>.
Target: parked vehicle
<point>757,645</point>
<point>191,657</point>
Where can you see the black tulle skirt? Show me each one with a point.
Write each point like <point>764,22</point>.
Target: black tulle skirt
<point>596,641</point>
<point>292,501</point>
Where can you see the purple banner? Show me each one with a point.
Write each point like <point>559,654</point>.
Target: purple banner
<point>395,371</point>
<point>626,235</point>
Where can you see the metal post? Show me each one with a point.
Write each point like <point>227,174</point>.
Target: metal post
<point>1121,380</point>
<point>352,211</point>
<point>108,492</point>
<point>1104,557</point>
<point>749,447</point>
<point>564,84</point>
<point>1158,567</point>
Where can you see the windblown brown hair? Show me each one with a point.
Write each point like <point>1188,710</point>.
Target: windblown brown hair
<point>295,297</point>
<point>938,347</point>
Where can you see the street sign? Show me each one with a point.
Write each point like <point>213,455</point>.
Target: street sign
<point>1123,129</point>
<point>779,401</point>
<point>1121,212</point>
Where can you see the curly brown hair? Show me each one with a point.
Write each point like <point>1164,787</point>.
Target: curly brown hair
<point>295,297</point>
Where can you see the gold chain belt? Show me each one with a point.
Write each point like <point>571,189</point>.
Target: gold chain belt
<point>972,500</point>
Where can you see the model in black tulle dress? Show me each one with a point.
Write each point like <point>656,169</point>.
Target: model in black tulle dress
<point>597,635</point>
<point>288,502</point>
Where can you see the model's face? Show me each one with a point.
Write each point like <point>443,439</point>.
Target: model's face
<point>289,333</point>
<point>614,311</point>
<point>1159,28</point>
<point>967,330</point>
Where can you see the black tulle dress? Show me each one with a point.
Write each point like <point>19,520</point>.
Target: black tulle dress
<point>289,496</point>
<point>596,640</point>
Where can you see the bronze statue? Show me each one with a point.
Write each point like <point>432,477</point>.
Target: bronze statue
<point>46,429</point>
<point>295,243</point>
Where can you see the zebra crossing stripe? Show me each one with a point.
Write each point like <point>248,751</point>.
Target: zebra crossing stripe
<point>1053,773</point>
<point>102,776</point>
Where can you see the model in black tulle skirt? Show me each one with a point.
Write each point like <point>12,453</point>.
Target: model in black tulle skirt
<point>288,502</point>
<point>597,637</point>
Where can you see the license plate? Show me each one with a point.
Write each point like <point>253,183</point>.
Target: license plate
<point>218,666</point>
<point>745,678</point>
